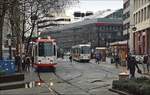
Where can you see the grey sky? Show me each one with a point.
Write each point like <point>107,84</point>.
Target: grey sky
<point>96,5</point>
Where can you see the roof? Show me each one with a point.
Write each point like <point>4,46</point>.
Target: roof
<point>45,40</point>
<point>119,43</point>
<point>100,48</point>
<point>81,45</point>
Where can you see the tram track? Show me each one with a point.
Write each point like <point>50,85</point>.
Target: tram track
<point>57,77</point>
<point>46,84</point>
<point>66,81</point>
<point>71,84</point>
<point>101,69</point>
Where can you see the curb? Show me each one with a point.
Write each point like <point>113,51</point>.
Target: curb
<point>12,78</point>
<point>119,92</point>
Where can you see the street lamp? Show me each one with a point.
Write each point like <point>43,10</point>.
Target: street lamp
<point>9,36</point>
<point>128,35</point>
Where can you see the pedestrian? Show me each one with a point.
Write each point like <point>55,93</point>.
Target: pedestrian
<point>27,63</point>
<point>70,58</point>
<point>98,57</point>
<point>23,62</point>
<point>148,63</point>
<point>32,60</point>
<point>132,65</point>
<point>18,62</point>
<point>117,60</point>
<point>145,63</point>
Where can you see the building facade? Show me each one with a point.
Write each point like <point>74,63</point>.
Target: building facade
<point>128,23</point>
<point>118,14</point>
<point>98,32</point>
<point>141,18</point>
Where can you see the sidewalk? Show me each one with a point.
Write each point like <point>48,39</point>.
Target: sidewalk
<point>25,87</point>
<point>120,68</point>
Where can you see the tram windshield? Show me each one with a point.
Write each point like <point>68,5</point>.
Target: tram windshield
<point>85,50</point>
<point>45,49</point>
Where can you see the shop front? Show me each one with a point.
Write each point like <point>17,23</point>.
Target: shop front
<point>120,49</point>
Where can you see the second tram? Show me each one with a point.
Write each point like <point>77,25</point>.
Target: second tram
<point>81,52</point>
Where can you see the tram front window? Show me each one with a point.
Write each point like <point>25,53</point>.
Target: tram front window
<point>45,49</point>
<point>85,50</point>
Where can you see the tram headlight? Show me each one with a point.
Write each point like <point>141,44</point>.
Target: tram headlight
<point>39,62</point>
<point>39,84</point>
<point>51,61</point>
<point>51,83</point>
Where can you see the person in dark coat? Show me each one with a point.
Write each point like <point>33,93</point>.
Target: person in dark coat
<point>148,64</point>
<point>18,62</point>
<point>27,63</point>
<point>132,65</point>
<point>70,58</point>
<point>98,57</point>
<point>117,60</point>
<point>145,63</point>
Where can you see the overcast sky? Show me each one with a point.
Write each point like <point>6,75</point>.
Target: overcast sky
<point>95,5</point>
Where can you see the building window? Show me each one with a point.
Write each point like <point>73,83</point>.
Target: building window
<point>126,5</point>
<point>148,14</point>
<point>139,17</point>
<point>134,18</point>
<point>126,15</point>
<point>144,14</point>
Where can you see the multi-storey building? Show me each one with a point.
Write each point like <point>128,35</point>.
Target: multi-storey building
<point>117,14</point>
<point>141,37</point>
<point>97,31</point>
<point>128,23</point>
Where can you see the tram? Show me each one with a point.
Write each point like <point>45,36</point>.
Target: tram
<point>81,52</point>
<point>45,54</point>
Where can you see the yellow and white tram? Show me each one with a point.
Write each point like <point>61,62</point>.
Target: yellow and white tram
<point>81,52</point>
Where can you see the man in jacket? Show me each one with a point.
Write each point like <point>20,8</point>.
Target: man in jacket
<point>132,65</point>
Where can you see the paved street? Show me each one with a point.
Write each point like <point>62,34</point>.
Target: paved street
<point>72,79</point>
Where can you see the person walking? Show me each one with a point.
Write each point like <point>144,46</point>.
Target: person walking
<point>32,60</point>
<point>18,63</point>
<point>132,65</point>
<point>98,57</point>
<point>145,63</point>
<point>148,63</point>
<point>27,63</point>
<point>117,60</point>
<point>70,58</point>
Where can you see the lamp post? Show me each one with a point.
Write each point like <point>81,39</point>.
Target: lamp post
<point>9,45</point>
<point>128,37</point>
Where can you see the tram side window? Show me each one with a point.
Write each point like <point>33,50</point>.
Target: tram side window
<point>35,51</point>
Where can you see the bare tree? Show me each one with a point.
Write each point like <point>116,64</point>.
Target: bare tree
<point>24,13</point>
<point>3,8</point>
<point>35,9</point>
